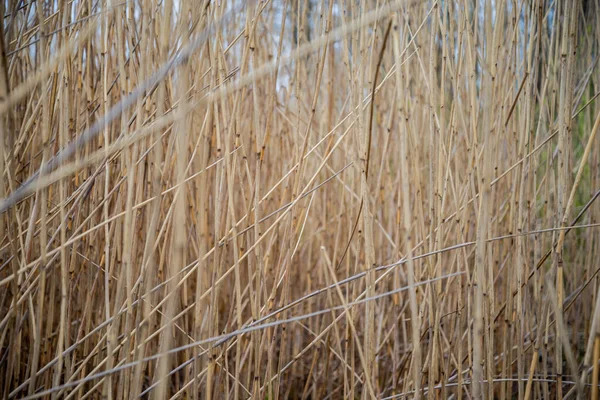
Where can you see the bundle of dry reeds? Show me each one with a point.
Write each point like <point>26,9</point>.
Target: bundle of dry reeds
<point>299,199</point>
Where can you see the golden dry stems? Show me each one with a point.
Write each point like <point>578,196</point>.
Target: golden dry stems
<point>299,199</point>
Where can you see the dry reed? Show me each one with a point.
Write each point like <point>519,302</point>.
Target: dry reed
<point>299,199</point>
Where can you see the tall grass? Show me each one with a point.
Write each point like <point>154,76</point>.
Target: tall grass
<point>299,199</point>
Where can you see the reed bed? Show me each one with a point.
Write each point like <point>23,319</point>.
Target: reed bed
<point>304,199</point>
